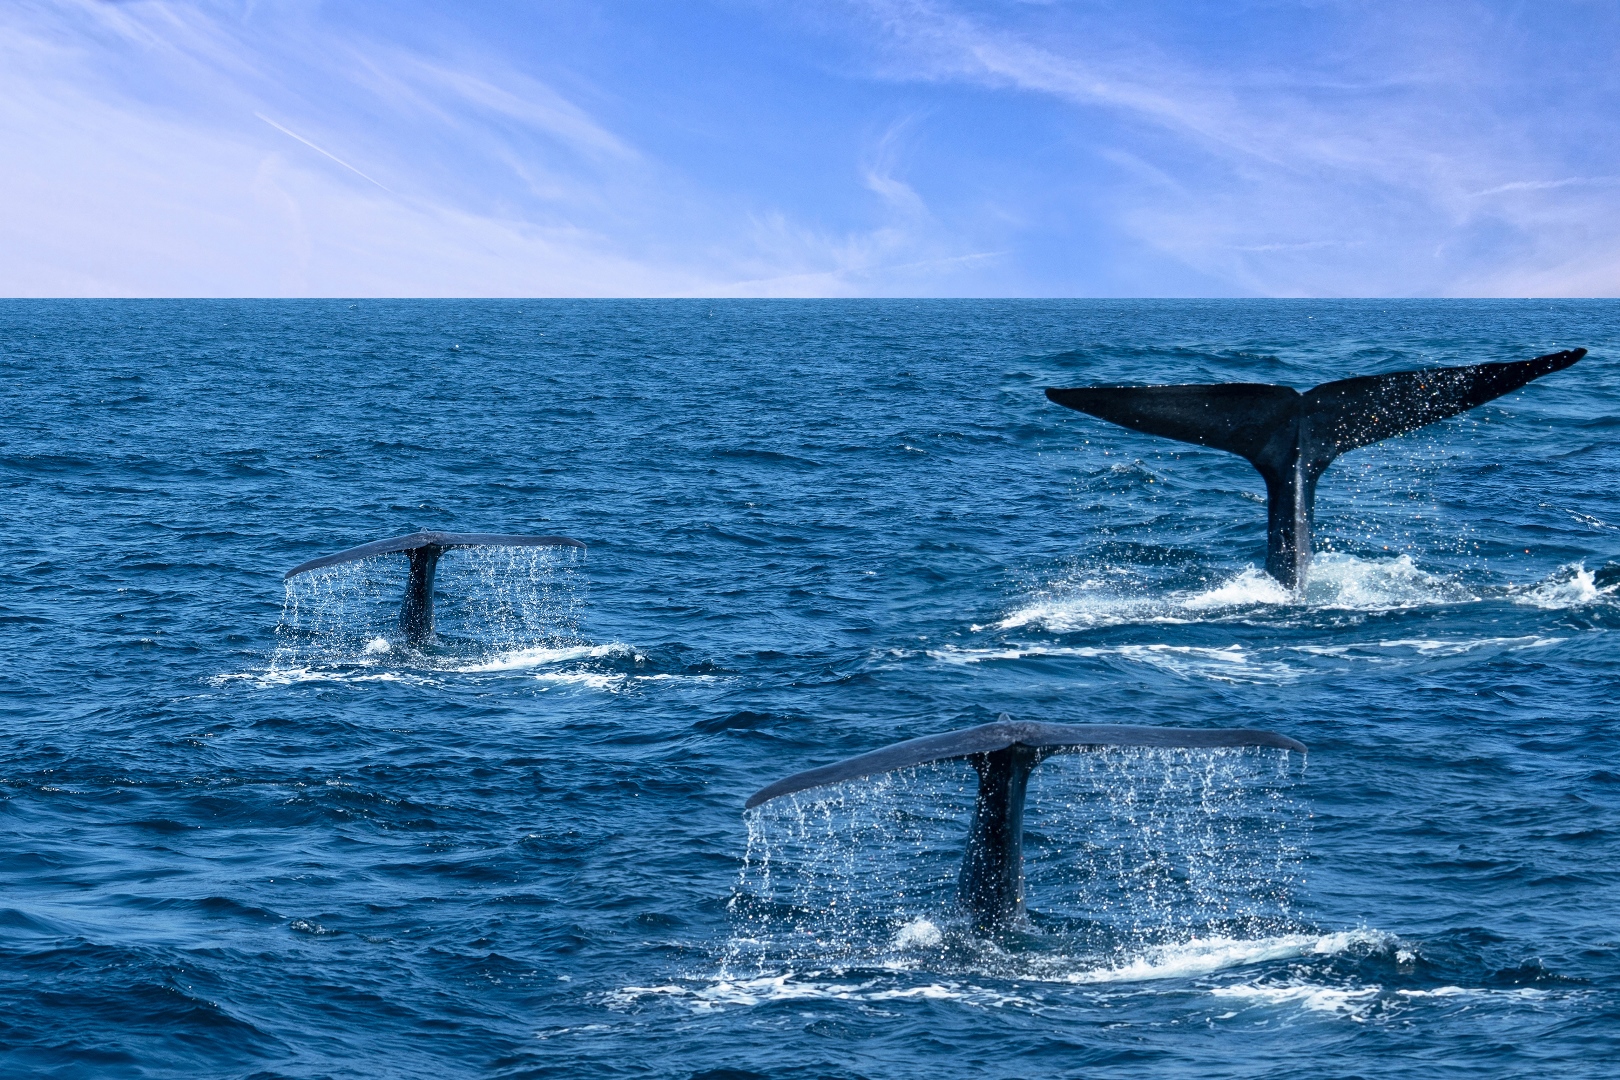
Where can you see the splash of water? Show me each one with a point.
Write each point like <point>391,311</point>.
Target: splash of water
<point>1129,852</point>
<point>1137,847</point>
<point>490,601</point>
<point>1337,582</point>
<point>1570,586</point>
<point>513,598</point>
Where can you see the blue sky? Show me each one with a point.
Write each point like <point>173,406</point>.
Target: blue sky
<point>837,148</point>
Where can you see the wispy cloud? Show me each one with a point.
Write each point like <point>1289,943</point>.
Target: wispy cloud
<point>873,147</point>
<point>1261,158</point>
<point>140,168</point>
<point>524,100</point>
<point>1546,185</point>
<point>880,169</point>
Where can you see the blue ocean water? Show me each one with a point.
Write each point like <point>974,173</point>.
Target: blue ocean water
<point>248,832</point>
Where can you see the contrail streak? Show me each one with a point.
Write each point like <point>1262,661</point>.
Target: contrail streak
<point>318,150</point>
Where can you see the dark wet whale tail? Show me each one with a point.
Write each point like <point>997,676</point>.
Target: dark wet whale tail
<point>990,886</point>
<point>424,549</point>
<point>1292,438</point>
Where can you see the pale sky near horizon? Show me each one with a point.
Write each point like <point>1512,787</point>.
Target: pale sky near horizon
<point>837,148</point>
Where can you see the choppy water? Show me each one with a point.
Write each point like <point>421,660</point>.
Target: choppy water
<point>247,833</point>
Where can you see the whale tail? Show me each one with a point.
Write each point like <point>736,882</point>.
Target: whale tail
<point>990,885</point>
<point>1291,438</point>
<point>424,549</point>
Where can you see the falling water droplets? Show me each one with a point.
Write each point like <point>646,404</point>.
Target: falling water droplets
<point>1128,852</point>
<point>488,601</point>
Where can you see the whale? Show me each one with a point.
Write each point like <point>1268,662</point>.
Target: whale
<point>1292,437</point>
<point>990,884</point>
<point>424,549</point>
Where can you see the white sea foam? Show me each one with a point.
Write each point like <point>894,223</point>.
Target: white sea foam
<point>433,670</point>
<point>1204,956</point>
<point>703,996</point>
<point>556,1032</point>
<point>1570,586</point>
<point>1189,960</point>
<point>1347,582</point>
<point>614,682</point>
<point>1230,663</point>
<point>1313,997</point>
<point>1385,651</point>
<point>1239,664</point>
<point>1336,582</point>
<point>590,680</point>
<point>1250,588</point>
<point>1358,1002</point>
<point>919,933</point>
<point>539,656</point>
<point>287,676</point>
<point>1529,993</point>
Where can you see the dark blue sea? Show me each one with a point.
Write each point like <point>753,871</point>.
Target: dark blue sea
<point>248,831</point>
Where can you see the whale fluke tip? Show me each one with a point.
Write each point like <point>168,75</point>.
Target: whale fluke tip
<point>425,538</point>
<point>1005,732</point>
<point>1291,438</point>
<point>424,548</point>
<point>990,885</point>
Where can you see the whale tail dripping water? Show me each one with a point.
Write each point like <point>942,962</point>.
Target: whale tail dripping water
<point>424,549</point>
<point>1291,438</point>
<point>990,885</point>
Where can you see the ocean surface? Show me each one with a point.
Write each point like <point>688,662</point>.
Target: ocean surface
<point>245,831</point>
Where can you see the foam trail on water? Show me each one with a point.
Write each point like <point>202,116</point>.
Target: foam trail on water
<point>1337,582</point>
<point>1398,648</point>
<point>1241,664</point>
<point>541,656</point>
<point>1227,663</point>
<point>984,984</point>
<point>1206,956</point>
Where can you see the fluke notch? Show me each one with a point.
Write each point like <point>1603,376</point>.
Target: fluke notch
<point>990,885</point>
<point>1291,438</point>
<point>424,549</point>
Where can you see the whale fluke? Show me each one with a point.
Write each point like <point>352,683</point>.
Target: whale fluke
<point>1291,438</point>
<point>424,549</point>
<point>990,886</point>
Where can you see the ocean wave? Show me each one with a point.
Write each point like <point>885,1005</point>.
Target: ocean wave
<point>615,682</point>
<point>1229,663</point>
<point>1337,582</point>
<point>880,979</point>
<point>1312,997</point>
<point>288,676</point>
<point>703,996</point>
<point>1237,663</point>
<point>1205,956</point>
<point>539,656</point>
<point>1359,1002</point>
<point>1378,651</point>
<point>383,661</point>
